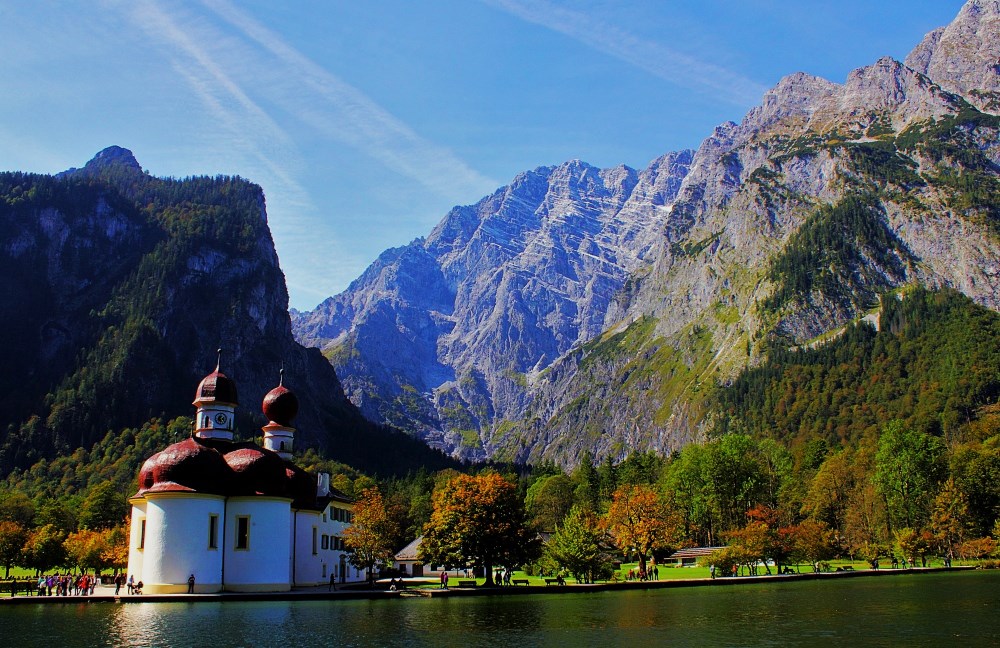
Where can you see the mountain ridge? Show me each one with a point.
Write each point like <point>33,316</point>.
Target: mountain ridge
<point>554,355</point>
<point>120,286</point>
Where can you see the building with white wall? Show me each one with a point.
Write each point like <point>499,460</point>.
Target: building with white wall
<point>236,516</point>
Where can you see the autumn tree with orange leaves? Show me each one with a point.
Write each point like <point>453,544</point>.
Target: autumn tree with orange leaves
<point>639,521</point>
<point>478,520</point>
<point>369,538</point>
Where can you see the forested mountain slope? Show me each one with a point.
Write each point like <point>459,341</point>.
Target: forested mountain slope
<point>117,289</point>
<point>580,309</point>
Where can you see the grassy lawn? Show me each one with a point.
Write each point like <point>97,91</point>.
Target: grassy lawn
<point>671,572</point>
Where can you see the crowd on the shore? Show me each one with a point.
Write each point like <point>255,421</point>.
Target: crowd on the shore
<point>82,584</point>
<point>66,584</point>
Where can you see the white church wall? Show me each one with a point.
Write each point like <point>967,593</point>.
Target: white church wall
<point>176,543</point>
<point>256,561</point>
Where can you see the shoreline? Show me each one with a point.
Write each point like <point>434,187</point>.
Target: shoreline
<point>321,593</point>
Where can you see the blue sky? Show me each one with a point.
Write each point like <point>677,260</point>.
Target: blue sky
<point>365,122</point>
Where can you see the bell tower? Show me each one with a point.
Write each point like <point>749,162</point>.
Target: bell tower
<point>280,407</point>
<point>216,401</point>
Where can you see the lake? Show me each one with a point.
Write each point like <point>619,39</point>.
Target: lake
<point>938,609</point>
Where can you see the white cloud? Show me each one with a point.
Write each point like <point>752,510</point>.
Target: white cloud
<point>342,112</point>
<point>656,59</point>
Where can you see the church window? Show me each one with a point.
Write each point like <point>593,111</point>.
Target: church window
<point>142,533</point>
<point>213,531</point>
<point>326,542</point>
<point>243,532</point>
<point>315,547</point>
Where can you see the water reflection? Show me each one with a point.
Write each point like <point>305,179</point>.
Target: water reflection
<point>926,610</point>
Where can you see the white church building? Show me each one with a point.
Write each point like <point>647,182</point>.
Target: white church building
<point>238,517</point>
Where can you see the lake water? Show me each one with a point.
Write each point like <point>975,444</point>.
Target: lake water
<point>954,609</point>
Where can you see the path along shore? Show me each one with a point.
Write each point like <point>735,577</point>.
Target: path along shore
<point>105,594</point>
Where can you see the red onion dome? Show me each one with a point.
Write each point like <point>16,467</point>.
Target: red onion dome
<point>188,466</point>
<point>258,471</point>
<point>281,404</point>
<point>301,486</point>
<point>217,387</point>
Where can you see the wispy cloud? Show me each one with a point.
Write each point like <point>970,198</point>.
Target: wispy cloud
<point>661,61</point>
<point>261,93</point>
<point>250,129</point>
<point>342,112</point>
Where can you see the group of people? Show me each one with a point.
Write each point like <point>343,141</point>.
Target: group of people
<point>503,576</point>
<point>66,585</point>
<point>637,574</point>
<point>133,586</point>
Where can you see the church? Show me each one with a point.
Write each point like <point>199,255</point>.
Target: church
<point>236,516</point>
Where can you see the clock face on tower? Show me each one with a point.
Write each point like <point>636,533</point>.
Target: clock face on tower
<point>220,420</point>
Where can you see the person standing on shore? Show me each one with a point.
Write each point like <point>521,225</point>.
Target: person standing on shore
<point>191,584</point>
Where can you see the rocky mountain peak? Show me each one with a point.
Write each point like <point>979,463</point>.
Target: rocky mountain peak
<point>111,158</point>
<point>576,308</point>
<point>962,57</point>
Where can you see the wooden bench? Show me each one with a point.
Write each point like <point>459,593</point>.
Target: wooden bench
<point>554,581</point>
<point>466,583</point>
<point>520,581</point>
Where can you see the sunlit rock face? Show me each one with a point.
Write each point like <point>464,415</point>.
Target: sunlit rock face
<point>591,310</point>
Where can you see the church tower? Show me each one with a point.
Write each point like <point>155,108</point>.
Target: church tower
<point>280,407</point>
<point>216,401</point>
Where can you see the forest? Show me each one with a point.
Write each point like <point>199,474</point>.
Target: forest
<point>878,443</point>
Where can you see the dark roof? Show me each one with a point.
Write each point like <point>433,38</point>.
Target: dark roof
<point>216,387</point>
<point>221,467</point>
<point>281,405</point>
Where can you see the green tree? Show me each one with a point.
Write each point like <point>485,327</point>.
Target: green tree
<point>735,479</point>
<point>687,479</point>
<point>478,520</point>
<point>976,471</point>
<point>61,513</point>
<point>908,467</point>
<point>950,517</point>
<point>12,538</point>
<point>829,490</point>
<point>587,482</point>
<point>44,548</point>
<point>549,500</point>
<point>576,545</point>
<point>104,507</point>
<point>16,507</point>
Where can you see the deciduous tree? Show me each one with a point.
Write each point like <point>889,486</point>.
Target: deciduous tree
<point>576,545</point>
<point>44,548</point>
<point>549,500</point>
<point>908,467</point>
<point>12,538</point>
<point>86,549</point>
<point>104,507</point>
<point>478,520</point>
<point>639,521</point>
<point>369,538</point>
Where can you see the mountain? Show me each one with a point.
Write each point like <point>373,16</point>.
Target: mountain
<point>117,289</point>
<point>581,310</point>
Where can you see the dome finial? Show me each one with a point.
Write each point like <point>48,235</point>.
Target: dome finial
<point>218,359</point>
